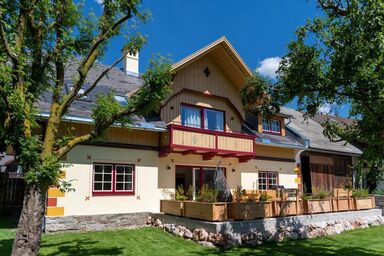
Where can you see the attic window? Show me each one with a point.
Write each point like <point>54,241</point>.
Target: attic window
<point>272,126</point>
<point>122,100</point>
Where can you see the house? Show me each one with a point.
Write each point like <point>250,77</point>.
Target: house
<point>201,126</point>
<point>324,164</point>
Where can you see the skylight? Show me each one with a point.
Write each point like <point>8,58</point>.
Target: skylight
<point>121,100</point>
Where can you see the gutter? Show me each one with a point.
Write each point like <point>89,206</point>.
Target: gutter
<point>281,145</point>
<point>87,120</point>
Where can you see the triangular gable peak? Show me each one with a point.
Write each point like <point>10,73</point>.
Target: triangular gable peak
<point>225,56</point>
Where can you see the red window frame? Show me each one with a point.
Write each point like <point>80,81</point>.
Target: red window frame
<point>202,116</point>
<point>267,179</point>
<point>113,190</point>
<point>270,125</point>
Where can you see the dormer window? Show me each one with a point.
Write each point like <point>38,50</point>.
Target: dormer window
<point>272,125</point>
<point>199,117</point>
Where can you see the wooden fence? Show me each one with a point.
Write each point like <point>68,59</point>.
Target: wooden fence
<point>11,193</point>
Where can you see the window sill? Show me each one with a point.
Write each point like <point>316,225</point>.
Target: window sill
<point>113,193</point>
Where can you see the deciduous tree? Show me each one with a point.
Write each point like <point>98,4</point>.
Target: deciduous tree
<point>338,59</point>
<point>37,39</point>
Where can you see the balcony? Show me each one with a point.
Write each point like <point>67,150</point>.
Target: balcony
<point>208,143</point>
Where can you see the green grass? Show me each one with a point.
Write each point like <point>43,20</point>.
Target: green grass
<point>151,241</point>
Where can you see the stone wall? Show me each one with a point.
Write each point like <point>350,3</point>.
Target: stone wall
<point>379,201</point>
<point>95,222</point>
<point>288,228</point>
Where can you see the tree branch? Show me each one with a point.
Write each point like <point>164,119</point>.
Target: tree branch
<point>335,5</point>
<point>104,73</point>
<point>4,42</point>
<point>89,60</point>
<point>71,144</point>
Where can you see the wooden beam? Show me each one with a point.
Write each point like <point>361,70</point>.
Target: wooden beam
<point>244,159</point>
<point>228,155</point>
<point>208,156</point>
<point>187,152</point>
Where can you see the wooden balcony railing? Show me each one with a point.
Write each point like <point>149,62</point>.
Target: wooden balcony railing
<point>189,140</point>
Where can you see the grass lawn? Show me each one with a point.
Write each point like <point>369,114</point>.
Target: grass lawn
<point>151,241</point>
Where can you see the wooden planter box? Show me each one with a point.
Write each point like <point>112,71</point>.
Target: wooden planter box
<point>249,210</point>
<point>205,211</point>
<point>342,204</point>
<point>317,206</point>
<point>287,208</point>
<point>172,207</point>
<point>363,203</point>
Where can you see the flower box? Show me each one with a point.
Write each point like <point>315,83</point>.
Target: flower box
<point>287,208</point>
<point>249,210</point>
<point>205,211</point>
<point>342,204</point>
<point>363,203</point>
<point>317,206</point>
<point>172,207</point>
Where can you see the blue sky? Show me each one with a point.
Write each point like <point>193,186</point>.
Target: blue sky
<point>258,29</point>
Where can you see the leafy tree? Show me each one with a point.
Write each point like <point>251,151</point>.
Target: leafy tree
<point>337,58</point>
<point>37,39</point>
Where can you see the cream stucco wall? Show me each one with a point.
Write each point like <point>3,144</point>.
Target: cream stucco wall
<point>244,174</point>
<point>147,192</point>
<point>154,178</point>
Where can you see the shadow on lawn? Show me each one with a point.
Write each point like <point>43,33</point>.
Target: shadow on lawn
<point>297,248</point>
<point>78,247</point>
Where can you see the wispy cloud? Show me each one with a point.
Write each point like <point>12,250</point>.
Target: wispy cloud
<point>326,108</point>
<point>99,1</point>
<point>268,67</point>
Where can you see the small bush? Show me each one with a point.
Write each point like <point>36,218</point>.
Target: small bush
<point>378,191</point>
<point>207,195</point>
<point>360,192</point>
<point>179,194</point>
<point>320,193</point>
<point>239,194</point>
<point>264,197</point>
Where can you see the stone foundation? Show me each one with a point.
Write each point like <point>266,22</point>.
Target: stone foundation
<point>229,234</point>
<point>95,222</point>
<point>379,201</point>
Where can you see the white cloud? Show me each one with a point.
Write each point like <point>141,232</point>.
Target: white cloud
<point>99,1</point>
<point>269,66</point>
<point>326,108</point>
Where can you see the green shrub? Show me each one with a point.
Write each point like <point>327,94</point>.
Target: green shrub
<point>179,194</point>
<point>207,195</point>
<point>264,197</point>
<point>378,191</point>
<point>239,194</point>
<point>360,192</point>
<point>320,193</point>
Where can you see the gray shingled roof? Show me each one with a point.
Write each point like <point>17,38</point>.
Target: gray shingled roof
<point>289,140</point>
<point>313,131</point>
<point>115,81</point>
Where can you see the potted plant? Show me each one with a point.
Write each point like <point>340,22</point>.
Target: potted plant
<point>243,208</point>
<point>318,202</point>
<point>176,206</point>
<point>362,200</point>
<point>206,206</point>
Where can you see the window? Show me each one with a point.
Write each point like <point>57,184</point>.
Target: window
<point>268,180</point>
<point>202,118</point>
<point>190,117</point>
<point>273,126</point>
<point>113,179</point>
<point>213,120</point>
<point>121,100</point>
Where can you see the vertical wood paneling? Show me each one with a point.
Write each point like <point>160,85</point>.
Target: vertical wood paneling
<point>114,134</point>
<point>277,152</point>
<point>192,77</point>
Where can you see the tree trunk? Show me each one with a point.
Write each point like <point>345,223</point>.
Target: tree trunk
<point>28,234</point>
